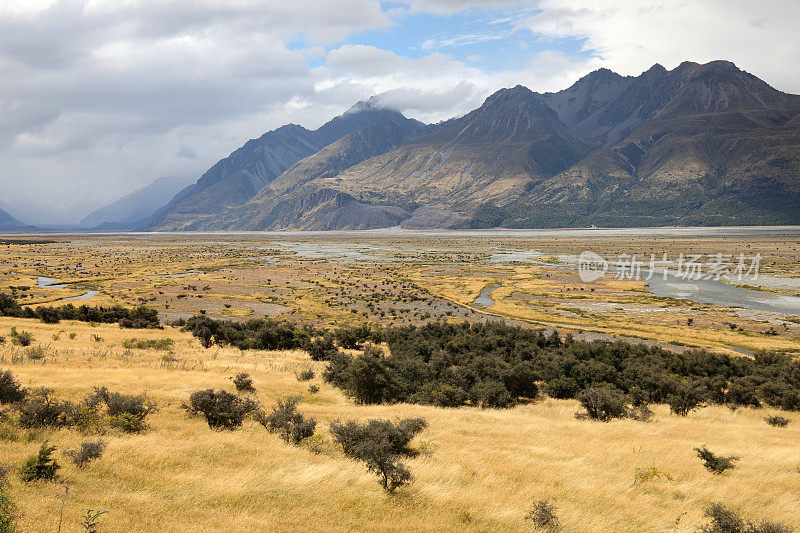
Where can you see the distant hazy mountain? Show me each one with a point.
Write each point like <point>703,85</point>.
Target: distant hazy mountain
<point>130,210</point>
<point>701,144</point>
<point>7,222</point>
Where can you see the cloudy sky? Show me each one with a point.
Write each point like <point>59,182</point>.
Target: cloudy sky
<point>101,97</point>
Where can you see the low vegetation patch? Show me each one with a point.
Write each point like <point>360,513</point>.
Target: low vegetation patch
<point>221,409</point>
<point>86,452</point>
<point>243,382</point>
<point>285,420</point>
<point>41,466</point>
<point>714,463</point>
<point>379,444</point>
<point>543,515</point>
<point>726,520</point>
<point>138,317</point>
<point>149,344</point>
<point>777,421</point>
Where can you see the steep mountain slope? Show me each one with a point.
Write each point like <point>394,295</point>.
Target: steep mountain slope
<point>131,209</point>
<point>700,144</point>
<point>295,199</point>
<point>9,223</point>
<point>237,178</point>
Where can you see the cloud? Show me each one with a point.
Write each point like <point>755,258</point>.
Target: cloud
<point>628,37</point>
<point>99,97</point>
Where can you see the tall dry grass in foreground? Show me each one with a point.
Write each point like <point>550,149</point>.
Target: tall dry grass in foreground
<point>480,470</point>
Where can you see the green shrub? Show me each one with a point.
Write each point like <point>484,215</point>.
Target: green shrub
<point>305,375</point>
<point>86,452</point>
<point>90,520</point>
<point>726,520</point>
<point>379,444</point>
<point>603,402</point>
<point>21,338</point>
<point>715,463</point>
<point>8,511</point>
<point>286,421</point>
<point>562,388</point>
<point>543,515</point>
<point>492,394</point>
<point>221,409</point>
<point>148,344</point>
<point>777,421</point>
<point>125,411</point>
<point>41,409</point>
<point>243,382</point>
<point>41,466</point>
<point>10,389</point>
<point>684,400</point>
<point>321,349</point>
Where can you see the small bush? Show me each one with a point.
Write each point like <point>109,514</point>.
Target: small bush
<point>379,444</point>
<point>35,353</point>
<point>603,402</point>
<point>313,389</point>
<point>41,466</point>
<point>305,375</point>
<point>492,394</point>
<point>243,382</point>
<point>286,421</point>
<point>684,400</point>
<point>10,389</point>
<point>90,520</point>
<point>86,452</point>
<point>149,344</point>
<point>322,348</point>
<point>725,520</point>
<point>715,463</point>
<point>125,411</point>
<point>8,511</point>
<point>562,388</point>
<point>41,409</point>
<point>21,338</point>
<point>777,421</point>
<point>543,515</point>
<point>221,409</point>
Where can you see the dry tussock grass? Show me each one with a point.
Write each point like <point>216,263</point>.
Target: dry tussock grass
<point>481,470</point>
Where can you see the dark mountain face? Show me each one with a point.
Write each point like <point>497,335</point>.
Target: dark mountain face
<point>237,178</point>
<point>700,144</point>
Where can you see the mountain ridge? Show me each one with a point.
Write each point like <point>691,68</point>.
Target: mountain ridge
<point>699,144</point>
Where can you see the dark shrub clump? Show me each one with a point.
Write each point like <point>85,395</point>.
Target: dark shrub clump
<point>86,452</point>
<point>777,421</point>
<point>243,382</point>
<point>725,520</point>
<point>125,411</point>
<point>379,444</point>
<point>10,389</point>
<point>41,466</point>
<point>286,421</point>
<point>604,403</point>
<point>41,409</point>
<point>221,409</point>
<point>543,515</point>
<point>715,463</point>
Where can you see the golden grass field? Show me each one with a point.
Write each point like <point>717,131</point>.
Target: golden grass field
<point>480,470</point>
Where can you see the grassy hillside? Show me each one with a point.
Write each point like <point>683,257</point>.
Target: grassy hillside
<point>478,470</point>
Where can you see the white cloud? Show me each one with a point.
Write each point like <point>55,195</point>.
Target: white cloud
<point>629,37</point>
<point>100,97</point>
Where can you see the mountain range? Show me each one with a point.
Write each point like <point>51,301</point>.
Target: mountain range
<point>135,209</point>
<point>702,144</point>
<point>7,222</point>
